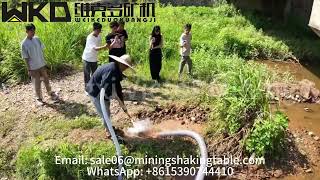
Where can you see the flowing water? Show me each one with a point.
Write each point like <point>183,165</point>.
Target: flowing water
<point>298,116</point>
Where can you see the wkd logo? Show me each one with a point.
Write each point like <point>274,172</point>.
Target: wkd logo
<point>14,15</point>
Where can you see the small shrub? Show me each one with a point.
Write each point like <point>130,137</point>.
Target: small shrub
<point>39,162</point>
<point>266,136</point>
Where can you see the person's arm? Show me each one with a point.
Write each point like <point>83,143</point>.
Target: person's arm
<point>118,95</point>
<point>115,40</point>
<point>160,45</point>
<point>182,42</point>
<point>108,41</point>
<point>41,44</point>
<point>25,56</point>
<point>150,42</point>
<point>100,47</point>
<point>28,65</point>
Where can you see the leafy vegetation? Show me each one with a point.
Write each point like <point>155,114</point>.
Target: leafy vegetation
<point>223,42</point>
<point>39,162</point>
<point>267,135</point>
<point>233,34</point>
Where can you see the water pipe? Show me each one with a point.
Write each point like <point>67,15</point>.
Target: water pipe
<point>110,128</point>
<point>196,136</point>
<point>201,143</point>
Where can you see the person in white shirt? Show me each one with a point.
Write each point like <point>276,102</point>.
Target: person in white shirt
<point>32,52</point>
<point>90,53</point>
<point>185,49</point>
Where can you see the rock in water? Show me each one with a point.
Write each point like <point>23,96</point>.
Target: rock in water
<point>310,133</point>
<point>309,170</point>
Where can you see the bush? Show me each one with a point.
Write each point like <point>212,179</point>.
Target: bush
<point>267,136</point>
<point>38,162</point>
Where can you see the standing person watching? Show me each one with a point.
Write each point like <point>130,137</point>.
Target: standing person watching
<point>90,53</point>
<point>114,41</point>
<point>32,53</point>
<point>155,53</point>
<point>185,49</point>
<point>123,36</point>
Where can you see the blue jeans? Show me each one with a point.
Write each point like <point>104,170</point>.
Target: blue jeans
<point>96,102</point>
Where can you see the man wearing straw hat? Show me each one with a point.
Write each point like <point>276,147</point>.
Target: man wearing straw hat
<point>109,76</point>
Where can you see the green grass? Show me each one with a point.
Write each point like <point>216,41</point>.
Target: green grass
<point>220,29</point>
<point>38,162</point>
<point>7,161</point>
<point>223,42</point>
<point>7,122</point>
<point>59,127</point>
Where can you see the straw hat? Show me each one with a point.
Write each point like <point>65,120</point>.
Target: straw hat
<point>124,59</point>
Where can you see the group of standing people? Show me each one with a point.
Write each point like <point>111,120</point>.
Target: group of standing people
<point>106,77</point>
<point>155,53</point>
<point>116,44</point>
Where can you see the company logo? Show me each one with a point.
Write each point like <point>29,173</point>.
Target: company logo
<point>30,10</point>
<point>83,12</point>
<point>129,12</point>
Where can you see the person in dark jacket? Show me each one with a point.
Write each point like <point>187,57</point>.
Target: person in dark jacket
<point>109,76</point>
<point>114,41</point>
<point>155,53</point>
<point>123,36</point>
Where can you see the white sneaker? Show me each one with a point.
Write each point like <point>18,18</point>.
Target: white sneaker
<point>39,102</point>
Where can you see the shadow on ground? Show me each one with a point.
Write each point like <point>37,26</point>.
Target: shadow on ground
<point>70,109</point>
<point>289,159</point>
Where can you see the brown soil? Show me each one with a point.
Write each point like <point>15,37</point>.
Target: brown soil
<point>182,114</point>
<point>300,157</point>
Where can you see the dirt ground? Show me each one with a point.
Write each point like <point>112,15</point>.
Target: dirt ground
<point>159,103</point>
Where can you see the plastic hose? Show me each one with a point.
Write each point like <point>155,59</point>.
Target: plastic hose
<point>196,136</point>
<point>201,143</point>
<point>110,128</point>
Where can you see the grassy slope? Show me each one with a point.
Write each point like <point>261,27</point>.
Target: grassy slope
<point>218,30</point>
<point>222,39</point>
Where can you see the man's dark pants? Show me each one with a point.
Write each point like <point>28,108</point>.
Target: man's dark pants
<point>88,69</point>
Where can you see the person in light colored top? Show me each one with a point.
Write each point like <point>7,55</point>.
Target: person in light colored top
<point>32,53</point>
<point>90,53</point>
<point>185,49</point>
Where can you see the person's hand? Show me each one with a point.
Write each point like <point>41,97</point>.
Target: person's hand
<point>129,115</point>
<point>126,111</point>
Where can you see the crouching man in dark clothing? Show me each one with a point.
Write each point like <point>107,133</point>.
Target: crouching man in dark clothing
<point>108,77</point>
